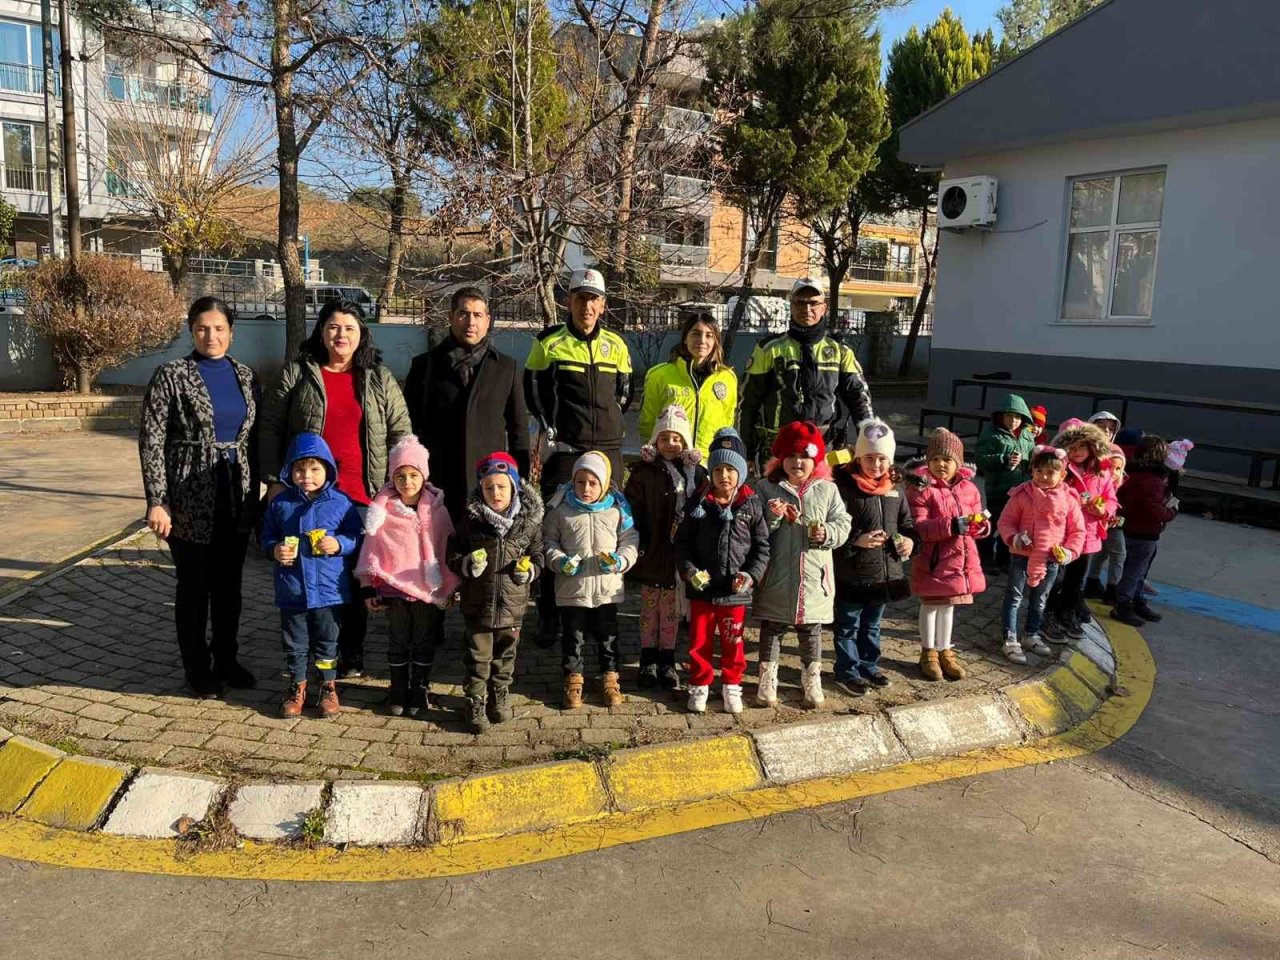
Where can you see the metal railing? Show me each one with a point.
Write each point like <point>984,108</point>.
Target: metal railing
<point>882,272</point>
<point>679,122</point>
<point>171,95</point>
<point>26,78</point>
<point>25,179</point>
<point>684,255</point>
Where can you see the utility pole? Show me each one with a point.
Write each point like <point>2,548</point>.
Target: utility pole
<point>50,137</point>
<point>70,158</point>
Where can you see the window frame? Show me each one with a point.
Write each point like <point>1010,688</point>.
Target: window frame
<point>1111,229</point>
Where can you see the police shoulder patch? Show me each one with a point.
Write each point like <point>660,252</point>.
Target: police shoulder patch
<point>720,389</point>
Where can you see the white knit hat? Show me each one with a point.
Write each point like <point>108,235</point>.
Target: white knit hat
<point>874,436</point>
<point>673,418</point>
<point>593,461</point>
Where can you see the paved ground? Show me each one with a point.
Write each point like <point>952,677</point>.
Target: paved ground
<point>88,660</point>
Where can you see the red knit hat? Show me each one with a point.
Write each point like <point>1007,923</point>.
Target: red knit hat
<point>1039,416</point>
<point>801,438</point>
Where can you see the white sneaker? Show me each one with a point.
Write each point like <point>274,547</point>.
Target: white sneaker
<point>767,689</point>
<point>811,684</point>
<point>1013,652</point>
<point>732,694</point>
<point>1035,643</point>
<point>698,699</point>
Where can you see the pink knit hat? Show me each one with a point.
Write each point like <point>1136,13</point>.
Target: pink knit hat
<point>409,453</point>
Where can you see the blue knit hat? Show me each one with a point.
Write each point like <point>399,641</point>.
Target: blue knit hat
<point>727,448</point>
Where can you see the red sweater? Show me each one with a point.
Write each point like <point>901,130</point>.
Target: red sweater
<point>343,432</point>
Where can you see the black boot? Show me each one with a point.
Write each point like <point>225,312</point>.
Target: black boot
<point>1083,613</point>
<point>397,700</point>
<point>1124,613</point>
<point>474,714</point>
<point>499,703</point>
<point>668,674</point>
<point>1093,589</point>
<point>1143,609</point>
<point>419,690</point>
<point>648,667</point>
<point>1109,594</point>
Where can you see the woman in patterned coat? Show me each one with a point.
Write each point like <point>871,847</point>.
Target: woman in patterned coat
<point>199,453</point>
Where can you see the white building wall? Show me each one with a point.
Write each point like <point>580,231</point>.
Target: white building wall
<point>1216,301</point>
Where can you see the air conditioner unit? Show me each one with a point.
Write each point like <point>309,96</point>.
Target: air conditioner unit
<point>969,202</point>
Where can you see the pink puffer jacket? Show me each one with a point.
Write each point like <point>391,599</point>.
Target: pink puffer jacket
<point>946,565</point>
<point>1052,518</point>
<point>1088,487</point>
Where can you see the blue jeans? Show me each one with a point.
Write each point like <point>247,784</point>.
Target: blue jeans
<point>1110,558</point>
<point>307,635</point>
<point>1016,588</point>
<point>1137,563</point>
<point>857,638</point>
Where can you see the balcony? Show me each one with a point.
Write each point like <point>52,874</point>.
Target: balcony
<point>690,195</point>
<point>883,272</point>
<point>26,78</point>
<point>680,125</point>
<point>25,179</point>
<point>684,255</point>
<point>169,95</point>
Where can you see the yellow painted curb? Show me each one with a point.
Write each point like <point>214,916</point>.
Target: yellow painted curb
<point>1072,691</point>
<point>75,793</point>
<point>1135,671</point>
<point>1089,672</point>
<point>23,764</point>
<point>528,798</point>
<point>677,773</point>
<point>1040,706</point>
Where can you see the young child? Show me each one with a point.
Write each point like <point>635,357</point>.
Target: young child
<point>1043,527</point>
<point>589,540</point>
<point>721,552</point>
<point>1088,474</point>
<point>1039,419</point>
<point>1110,559</point>
<point>868,568</point>
<point>1004,460</point>
<point>1108,422</point>
<point>1148,506</point>
<point>947,511</point>
<point>308,529</point>
<point>807,521</point>
<point>402,566</point>
<point>657,489</point>
<point>498,551</point>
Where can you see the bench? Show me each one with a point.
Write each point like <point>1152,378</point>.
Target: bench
<point>952,414</point>
<point>1258,458</point>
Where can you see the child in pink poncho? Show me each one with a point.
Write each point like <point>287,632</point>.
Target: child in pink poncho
<point>402,568</point>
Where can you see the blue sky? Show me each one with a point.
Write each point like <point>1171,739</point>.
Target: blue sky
<point>976,15</point>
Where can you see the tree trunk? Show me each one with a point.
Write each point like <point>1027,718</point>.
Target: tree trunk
<point>70,160</point>
<point>84,380</point>
<point>922,302</point>
<point>768,214</point>
<point>176,265</point>
<point>287,170</point>
<point>395,237</point>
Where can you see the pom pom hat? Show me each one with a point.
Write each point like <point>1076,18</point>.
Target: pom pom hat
<point>874,436</point>
<point>802,438</point>
<point>727,448</point>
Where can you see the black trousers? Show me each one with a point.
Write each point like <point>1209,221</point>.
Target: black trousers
<point>209,589</point>
<point>415,631</point>
<point>353,624</point>
<point>490,656</point>
<point>992,549</point>
<point>556,471</point>
<point>583,624</point>
<point>1069,589</point>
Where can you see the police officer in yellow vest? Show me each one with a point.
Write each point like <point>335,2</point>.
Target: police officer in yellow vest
<point>803,374</point>
<point>577,385</point>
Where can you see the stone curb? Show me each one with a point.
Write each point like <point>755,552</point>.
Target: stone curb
<point>42,784</point>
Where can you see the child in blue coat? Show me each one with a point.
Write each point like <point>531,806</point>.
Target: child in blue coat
<point>308,529</point>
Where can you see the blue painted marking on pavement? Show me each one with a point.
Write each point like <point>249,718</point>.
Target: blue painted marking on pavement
<point>1219,608</point>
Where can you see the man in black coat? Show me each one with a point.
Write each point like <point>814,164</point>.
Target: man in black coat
<point>466,400</point>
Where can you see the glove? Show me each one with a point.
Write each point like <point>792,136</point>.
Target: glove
<point>742,583</point>
<point>475,563</point>
<point>610,562</point>
<point>1022,539</point>
<point>569,566</point>
<point>1174,503</point>
<point>521,577</point>
<point>959,526</point>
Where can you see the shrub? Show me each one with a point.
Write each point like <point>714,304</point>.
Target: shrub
<point>127,311</point>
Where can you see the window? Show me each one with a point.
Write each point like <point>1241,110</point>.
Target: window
<point>23,156</point>
<point>22,57</point>
<point>768,249</point>
<point>1112,239</point>
<point>685,232</point>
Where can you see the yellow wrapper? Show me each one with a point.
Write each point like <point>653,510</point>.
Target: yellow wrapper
<point>1059,554</point>
<point>291,542</point>
<point>315,536</point>
<point>840,457</point>
<point>478,556</point>
<point>700,579</point>
<point>605,558</point>
<point>524,564</point>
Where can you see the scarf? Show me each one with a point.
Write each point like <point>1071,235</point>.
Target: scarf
<point>874,488</point>
<point>681,472</point>
<point>464,359</point>
<point>611,499</point>
<point>808,337</point>
<point>501,522</point>
<point>404,546</point>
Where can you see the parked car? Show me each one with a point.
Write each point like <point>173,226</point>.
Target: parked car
<point>317,295</point>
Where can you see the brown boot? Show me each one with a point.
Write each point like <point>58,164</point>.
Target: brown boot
<point>573,691</point>
<point>295,700</point>
<point>612,692</point>
<point>929,668</point>
<point>329,706</point>
<point>951,668</point>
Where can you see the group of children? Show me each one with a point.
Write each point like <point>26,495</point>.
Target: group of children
<point>816,540</point>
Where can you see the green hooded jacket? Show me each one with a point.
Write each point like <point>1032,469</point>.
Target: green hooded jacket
<point>997,445</point>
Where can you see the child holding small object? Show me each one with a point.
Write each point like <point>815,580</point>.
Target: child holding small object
<point>668,475</point>
<point>947,511</point>
<point>402,568</point>
<point>498,551</point>
<point>589,540</point>
<point>721,552</point>
<point>807,521</point>
<point>1003,456</point>
<point>1110,559</point>
<point>1044,528</point>
<point>869,571</point>
<point>308,529</point>
<point>1149,505</point>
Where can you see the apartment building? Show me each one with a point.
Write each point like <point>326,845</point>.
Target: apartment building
<point>128,105</point>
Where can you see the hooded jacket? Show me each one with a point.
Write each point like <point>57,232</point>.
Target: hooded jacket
<point>997,445</point>
<point>494,599</point>
<point>869,574</point>
<point>586,530</point>
<point>1143,496</point>
<point>799,586</point>
<point>1051,517</point>
<point>723,541</point>
<point>947,564</point>
<point>1092,481</point>
<point>312,580</point>
<point>404,547</point>
<point>652,493</point>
